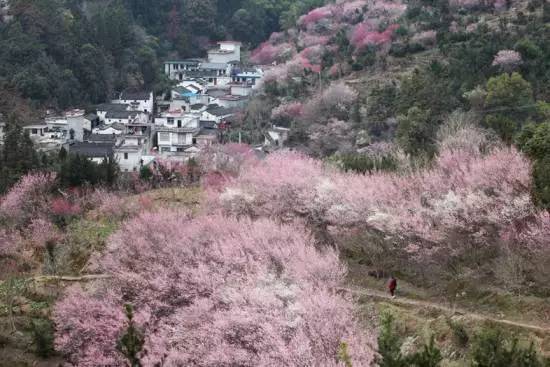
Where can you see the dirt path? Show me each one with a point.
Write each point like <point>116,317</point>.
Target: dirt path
<point>457,311</point>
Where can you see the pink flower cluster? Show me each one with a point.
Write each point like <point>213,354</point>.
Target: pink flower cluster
<point>464,192</point>
<point>315,15</point>
<point>507,60</point>
<point>268,53</point>
<point>287,111</point>
<point>366,34</point>
<point>214,291</point>
<point>64,208</point>
<point>27,199</point>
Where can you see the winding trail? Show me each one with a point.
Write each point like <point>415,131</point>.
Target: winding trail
<point>374,294</point>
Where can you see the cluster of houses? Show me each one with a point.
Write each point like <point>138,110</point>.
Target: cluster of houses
<point>135,127</point>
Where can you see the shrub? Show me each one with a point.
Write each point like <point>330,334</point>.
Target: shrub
<point>492,348</point>
<point>43,337</point>
<point>460,335</point>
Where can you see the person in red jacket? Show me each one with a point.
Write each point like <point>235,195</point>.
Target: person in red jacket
<point>392,286</point>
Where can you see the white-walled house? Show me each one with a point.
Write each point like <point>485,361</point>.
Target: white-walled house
<point>241,89</point>
<point>226,52</point>
<point>129,157</point>
<point>176,131</point>
<point>176,70</point>
<point>217,113</point>
<point>126,117</point>
<point>36,130</point>
<point>231,101</point>
<point>250,76</point>
<point>193,86</point>
<point>104,108</point>
<point>276,137</point>
<point>138,101</point>
<point>95,151</point>
<point>113,129</point>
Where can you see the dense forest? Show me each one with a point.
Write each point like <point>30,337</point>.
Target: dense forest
<point>61,53</point>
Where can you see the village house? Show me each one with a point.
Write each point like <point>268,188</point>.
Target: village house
<point>72,125</point>
<point>276,137</point>
<point>102,139</point>
<point>217,114</point>
<point>113,129</point>
<point>240,89</point>
<point>249,76</point>
<point>225,53</point>
<point>94,151</point>
<point>126,117</point>
<point>129,157</point>
<point>105,108</point>
<point>176,70</point>
<point>231,101</point>
<point>36,130</point>
<point>208,135</point>
<point>176,131</point>
<point>138,101</point>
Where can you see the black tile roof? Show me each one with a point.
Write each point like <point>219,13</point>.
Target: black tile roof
<point>217,110</point>
<point>119,114</point>
<point>92,150</point>
<point>100,138</point>
<point>135,96</point>
<point>112,107</point>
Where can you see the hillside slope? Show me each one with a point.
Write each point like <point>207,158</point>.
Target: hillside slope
<point>436,56</point>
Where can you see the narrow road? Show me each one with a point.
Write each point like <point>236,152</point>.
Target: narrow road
<point>457,311</point>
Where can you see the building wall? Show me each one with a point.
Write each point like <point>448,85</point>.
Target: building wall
<point>143,106</point>
<point>223,58</point>
<point>131,163</point>
<point>120,121</point>
<point>238,90</point>
<point>78,124</point>
<point>171,141</point>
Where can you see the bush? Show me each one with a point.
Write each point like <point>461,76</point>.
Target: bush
<point>43,337</point>
<point>430,356</point>
<point>389,348</point>
<point>460,335</point>
<point>492,348</point>
<point>389,343</point>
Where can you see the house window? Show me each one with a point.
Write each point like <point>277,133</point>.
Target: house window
<point>125,155</point>
<point>179,123</point>
<point>170,121</point>
<point>164,136</point>
<point>34,131</point>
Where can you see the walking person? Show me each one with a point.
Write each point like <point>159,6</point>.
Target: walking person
<point>392,286</point>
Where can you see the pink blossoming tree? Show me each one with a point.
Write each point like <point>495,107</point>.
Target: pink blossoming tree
<point>507,60</point>
<point>211,291</point>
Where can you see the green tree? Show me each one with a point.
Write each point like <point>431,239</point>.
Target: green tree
<point>541,182</point>
<point>508,103</point>
<point>416,133</point>
<point>534,140</point>
<point>389,344</point>
<point>131,342</point>
<point>17,155</point>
